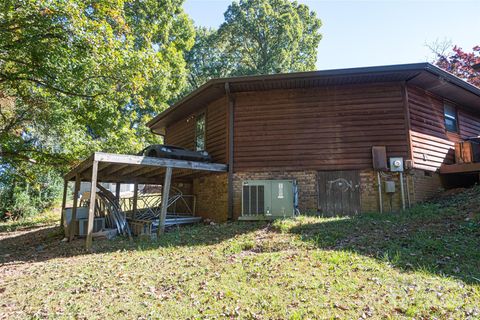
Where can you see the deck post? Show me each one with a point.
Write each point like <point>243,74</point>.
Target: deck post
<point>135,200</point>
<point>165,195</point>
<point>73,218</point>
<point>91,209</point>
<point>117,191</point>
<point>64,204</point>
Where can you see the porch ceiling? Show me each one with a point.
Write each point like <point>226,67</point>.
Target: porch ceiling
<point>138,169</point>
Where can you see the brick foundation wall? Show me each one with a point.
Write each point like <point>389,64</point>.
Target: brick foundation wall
<point>369,199</point>
<point>420,188</point>
<point>306,182</point>
<point>424,185</point>
<point>211,192</point>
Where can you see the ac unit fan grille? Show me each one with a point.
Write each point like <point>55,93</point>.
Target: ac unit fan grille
<point>253,200</point>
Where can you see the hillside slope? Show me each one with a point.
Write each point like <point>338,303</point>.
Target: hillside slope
<point>423,263</point>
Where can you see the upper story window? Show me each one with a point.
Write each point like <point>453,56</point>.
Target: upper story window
<point>450,113</point>
<point>200,132</point>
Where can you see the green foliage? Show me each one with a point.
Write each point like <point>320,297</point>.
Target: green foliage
<point>80,76</point>
<point>257,37</point>
<point>207,59</point>
<point>21,197</point>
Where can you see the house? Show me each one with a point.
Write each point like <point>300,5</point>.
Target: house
<point>316,130</point>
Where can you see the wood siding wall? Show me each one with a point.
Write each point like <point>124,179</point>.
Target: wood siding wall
<point>432,145</point>
<point>328,128</point>
<point>182,133</point>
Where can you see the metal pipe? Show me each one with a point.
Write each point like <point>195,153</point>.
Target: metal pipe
<point>402,191</point>
<point>380,200</point>
<point>407,186</point>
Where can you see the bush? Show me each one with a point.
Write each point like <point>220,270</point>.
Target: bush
<point>20,197</point>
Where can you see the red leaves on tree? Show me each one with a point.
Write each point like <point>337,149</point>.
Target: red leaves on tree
<point>460,64</point>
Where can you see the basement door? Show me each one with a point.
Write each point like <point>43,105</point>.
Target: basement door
<point>338,192</point>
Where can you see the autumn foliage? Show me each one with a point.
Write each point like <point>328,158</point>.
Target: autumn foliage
<point>460,62</point>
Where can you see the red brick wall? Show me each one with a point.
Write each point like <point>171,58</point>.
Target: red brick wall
<point>306,181</point>
<point>420,187</point>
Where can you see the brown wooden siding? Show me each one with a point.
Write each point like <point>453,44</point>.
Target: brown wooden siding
<point>182,133</point>
<point>329,128</point>
<point>217,130</point>
<point>432,145</point>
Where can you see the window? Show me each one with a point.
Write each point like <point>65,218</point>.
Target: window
<point>200,132</point>
<point>450,114</point>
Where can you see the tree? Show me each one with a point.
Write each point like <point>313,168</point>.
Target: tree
<point>271,36</point>
<point>458,62</point>
<point>257,37</point>
<point>207,59</point>
<point>79,76</point>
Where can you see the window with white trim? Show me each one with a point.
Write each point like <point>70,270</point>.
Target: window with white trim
<point>450,114</point>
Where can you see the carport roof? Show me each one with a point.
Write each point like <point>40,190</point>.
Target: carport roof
<point>137,169</point>
<point>423,75</point>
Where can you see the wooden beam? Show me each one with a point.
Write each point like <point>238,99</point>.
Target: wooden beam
<point>113,170</point>
<point>91,209</point>
<point>146,171</point>
<point>71,226</point>
<point>84,165</point>
<point>165,196</point>
<point>129,170</point>
<point>460,168</point>
<point>117,190</point>
<point>159,162</point>
<point>64,204</point>
<point>135,199</point>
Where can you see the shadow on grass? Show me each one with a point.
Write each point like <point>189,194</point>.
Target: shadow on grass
<point>429,238</point>
<point>45,243</point>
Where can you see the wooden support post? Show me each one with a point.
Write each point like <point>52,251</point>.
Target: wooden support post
<point>71,226</point>
<point>165,194</point>
<point>64,204</point>
<point>135,200</point>
<point>117,191</point>
<point>91,209</point>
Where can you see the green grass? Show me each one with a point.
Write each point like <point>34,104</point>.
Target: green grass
<point>422,264</point>
<point>49,217</point>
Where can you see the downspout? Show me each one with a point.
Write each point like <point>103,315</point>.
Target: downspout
<point>406,105</point>
<point>230,105</point>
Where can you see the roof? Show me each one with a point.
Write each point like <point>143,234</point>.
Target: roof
<point>125,168</point>
<point>423,75</point>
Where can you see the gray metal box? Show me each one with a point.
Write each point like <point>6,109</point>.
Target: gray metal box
<point>390,186</point>
<point>269,198</point>
<point>98,225</point>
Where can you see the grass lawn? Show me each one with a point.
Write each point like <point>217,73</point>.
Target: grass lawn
<point>423,264</point>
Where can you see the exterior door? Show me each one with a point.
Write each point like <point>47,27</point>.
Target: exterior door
<point>338,192</point>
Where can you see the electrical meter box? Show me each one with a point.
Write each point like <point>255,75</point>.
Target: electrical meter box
<point>396,164</point>
<point>268,198</point>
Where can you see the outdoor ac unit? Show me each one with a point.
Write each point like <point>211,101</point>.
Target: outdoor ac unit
<point>273,198</point>
<point>98,225</point>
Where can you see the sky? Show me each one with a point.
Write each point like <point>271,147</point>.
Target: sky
<point>369,33</point>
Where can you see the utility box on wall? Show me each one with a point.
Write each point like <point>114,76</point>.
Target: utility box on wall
<point>267,198</point>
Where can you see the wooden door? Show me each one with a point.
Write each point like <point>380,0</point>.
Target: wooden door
<point>338,192</point>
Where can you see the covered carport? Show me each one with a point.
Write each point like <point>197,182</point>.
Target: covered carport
<point>121,168</point>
